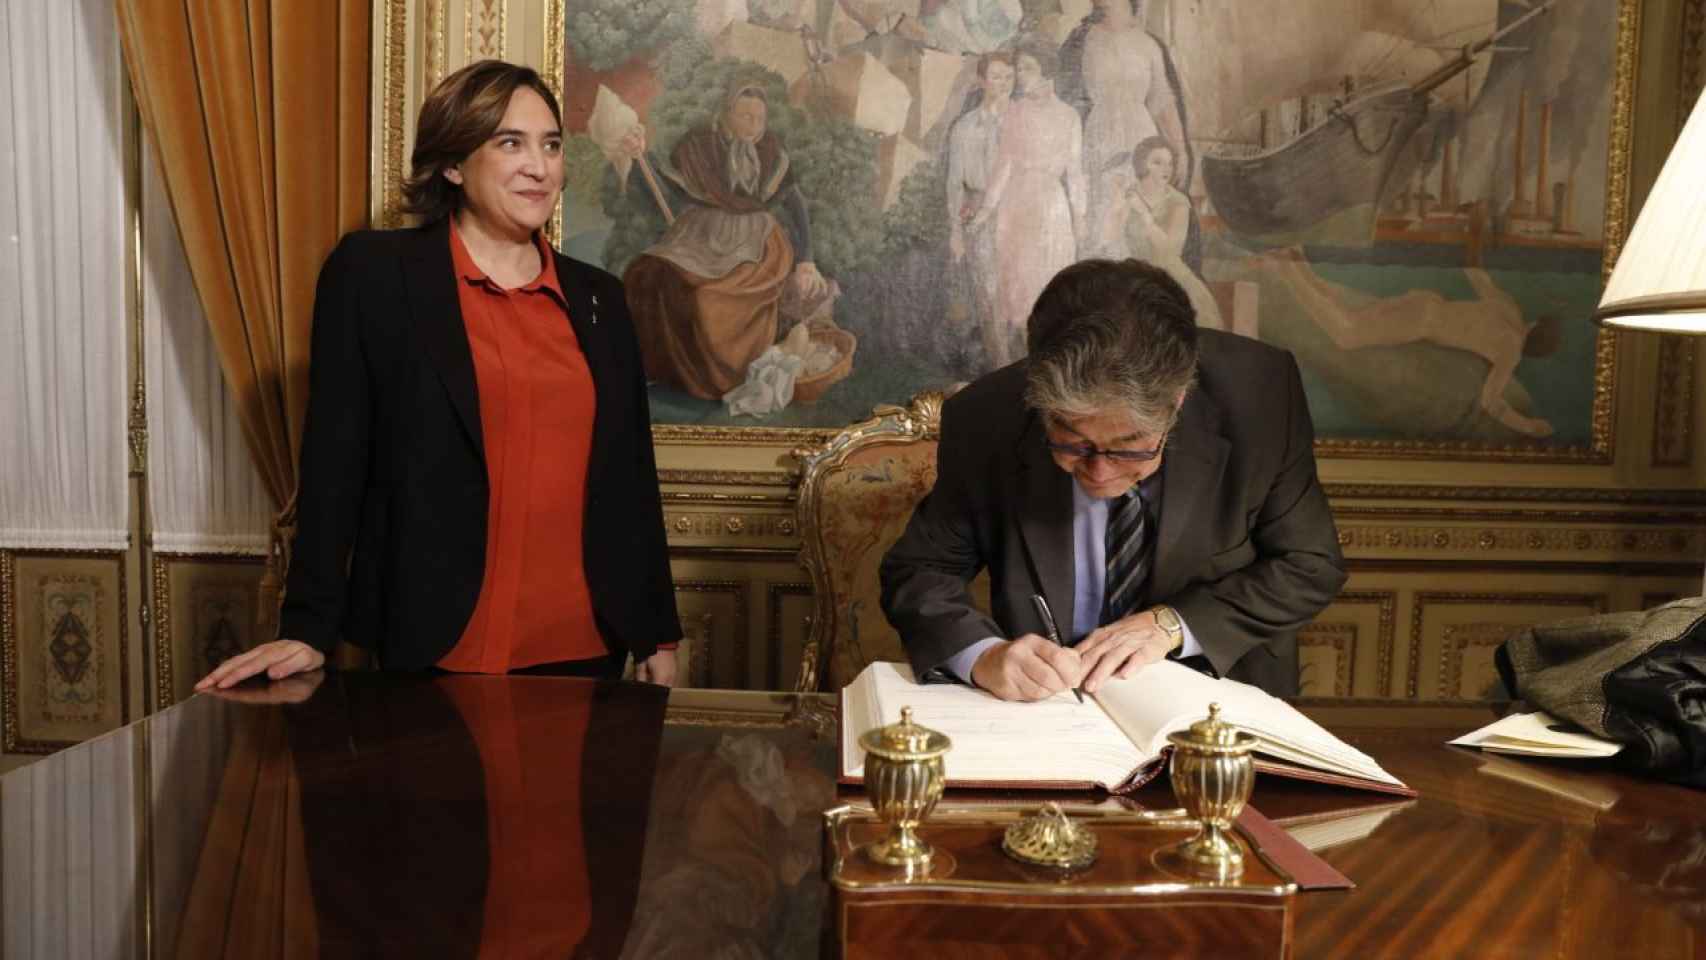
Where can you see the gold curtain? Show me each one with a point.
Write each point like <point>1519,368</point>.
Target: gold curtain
<point>258,111</point>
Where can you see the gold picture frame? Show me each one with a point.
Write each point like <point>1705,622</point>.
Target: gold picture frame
<point>416,42</point>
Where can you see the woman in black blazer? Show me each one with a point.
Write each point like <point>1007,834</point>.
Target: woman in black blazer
<point>393,511</point>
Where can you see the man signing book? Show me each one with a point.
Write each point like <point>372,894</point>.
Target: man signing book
<point>1148,487</point>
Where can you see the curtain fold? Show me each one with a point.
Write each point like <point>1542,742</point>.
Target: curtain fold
<point>258,116</point>
<point>63,370</point>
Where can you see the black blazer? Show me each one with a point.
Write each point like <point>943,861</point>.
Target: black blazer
<point>1247,550</point>
<point>391,514</point>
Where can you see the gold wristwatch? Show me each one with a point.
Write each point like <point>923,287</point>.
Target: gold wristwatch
<point>1168,620</point>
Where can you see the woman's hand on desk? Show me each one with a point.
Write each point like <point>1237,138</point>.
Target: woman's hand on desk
<point>279,658</point>
<point>293,689</point>
<point>659,668</point>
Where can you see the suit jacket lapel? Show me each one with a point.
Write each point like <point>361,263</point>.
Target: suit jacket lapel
<point>1191,468</point>
<point>1045,525</point>
<point>435,304</point>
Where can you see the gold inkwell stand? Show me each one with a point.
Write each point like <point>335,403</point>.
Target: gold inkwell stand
<point>903,780</point>
<point>1212,773</point>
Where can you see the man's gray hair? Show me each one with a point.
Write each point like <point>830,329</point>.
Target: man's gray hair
<point>1109,335</point>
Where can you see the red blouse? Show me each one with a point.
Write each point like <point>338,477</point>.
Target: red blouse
<point>536,414</point>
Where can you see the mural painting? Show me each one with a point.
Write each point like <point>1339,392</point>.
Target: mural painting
<point>822,205</point>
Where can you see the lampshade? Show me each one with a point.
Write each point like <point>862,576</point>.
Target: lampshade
<point>1659,282</point>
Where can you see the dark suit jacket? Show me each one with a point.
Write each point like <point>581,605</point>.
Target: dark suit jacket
<point>391,516</point>
<point>1247,551</point>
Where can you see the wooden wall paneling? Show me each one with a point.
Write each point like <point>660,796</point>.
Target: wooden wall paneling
<point>715,612</point>
<point>757,603</point>
<point>1348,650</point>
<point>1453,633</point>
<point>788,610</point>
<point>63,648</point>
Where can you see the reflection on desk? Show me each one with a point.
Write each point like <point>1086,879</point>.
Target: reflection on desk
<point>357,822</point>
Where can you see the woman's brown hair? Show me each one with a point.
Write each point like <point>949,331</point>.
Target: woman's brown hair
<point>459,115</point>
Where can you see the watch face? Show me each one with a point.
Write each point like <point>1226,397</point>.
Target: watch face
<point>1168,620</point>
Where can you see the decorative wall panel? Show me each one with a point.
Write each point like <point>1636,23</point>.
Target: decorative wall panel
<point>63,648</point>
<point>204,612</point>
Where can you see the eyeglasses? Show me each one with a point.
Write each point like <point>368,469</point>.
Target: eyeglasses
<point>1085,451</point>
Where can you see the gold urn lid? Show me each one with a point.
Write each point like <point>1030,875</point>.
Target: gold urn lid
<point>1050,838</point>
<point>905,740</point>
<point>1213,735</point>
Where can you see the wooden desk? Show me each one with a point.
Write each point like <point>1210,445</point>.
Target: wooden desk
<point>356,823</point>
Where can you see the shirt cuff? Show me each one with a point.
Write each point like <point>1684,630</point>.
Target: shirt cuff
<point>960,664</point>
<point>1189,647</point>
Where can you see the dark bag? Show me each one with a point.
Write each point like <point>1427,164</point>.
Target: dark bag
<point>1636,678</point>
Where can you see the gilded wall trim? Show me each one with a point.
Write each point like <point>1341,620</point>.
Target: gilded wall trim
<point>1673,404</point>
<point>163,665</point>
<point>1617,187</point>
<point>1342,638</point>
<point>742,525</point>
<point>783,501</point>
<point>1539,515</point>
<point>137,422</point>
<point>775,633</point>
<point>487,33</point>
<point>733,478</point>
<point>1386,602</point>
<point>1650,544</point>
<point>394,60</point>
<point>1619,495</point>
<point>437,38</point>
<point>739,632</point>
<point>1423,600</point>
<point>1460,637</point>
<point>8,650</point>
<point>1692,75</point>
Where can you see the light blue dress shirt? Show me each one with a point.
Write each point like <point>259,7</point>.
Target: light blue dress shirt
<point>1089,571</point>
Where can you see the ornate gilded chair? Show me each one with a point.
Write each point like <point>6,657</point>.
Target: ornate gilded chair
<point>856,492</point>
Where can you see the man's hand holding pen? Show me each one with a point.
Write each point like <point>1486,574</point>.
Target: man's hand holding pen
<point>1029,668</point>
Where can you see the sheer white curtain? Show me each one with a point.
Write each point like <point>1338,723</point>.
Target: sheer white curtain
<point>204,494</point>
<point>63,462</point>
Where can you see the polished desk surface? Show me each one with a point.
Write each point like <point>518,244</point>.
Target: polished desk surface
<point>359,821</point>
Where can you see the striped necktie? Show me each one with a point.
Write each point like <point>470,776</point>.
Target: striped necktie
<point>1131,552</point>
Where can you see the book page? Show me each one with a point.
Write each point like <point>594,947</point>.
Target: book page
<point>1058,739</point>
<point>1167,696</point>
<point>1537,734</point>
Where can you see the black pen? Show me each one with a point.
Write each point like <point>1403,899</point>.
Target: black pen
<point>1053,631</point>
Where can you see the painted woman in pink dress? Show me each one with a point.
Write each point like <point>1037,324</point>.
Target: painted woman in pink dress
<point>1037,199</point>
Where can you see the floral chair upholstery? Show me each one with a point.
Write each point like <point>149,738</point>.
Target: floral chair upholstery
<point>856,493</point>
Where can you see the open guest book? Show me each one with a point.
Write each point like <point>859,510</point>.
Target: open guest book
<point>1116,739</point>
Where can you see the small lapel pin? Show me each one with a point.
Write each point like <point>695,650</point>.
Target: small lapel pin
<point>595,312</point>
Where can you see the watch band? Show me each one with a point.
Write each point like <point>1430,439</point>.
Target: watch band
<point>1169,621</point>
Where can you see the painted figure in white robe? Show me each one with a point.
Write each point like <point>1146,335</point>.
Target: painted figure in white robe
<point>972,151</point>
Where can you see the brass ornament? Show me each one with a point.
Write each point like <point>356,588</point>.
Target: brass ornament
<point>1050,838</point>
<point>903,779</point>
<point>1212,773</point>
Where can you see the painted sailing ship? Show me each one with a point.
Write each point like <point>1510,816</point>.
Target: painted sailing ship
<point>1325,183</point>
